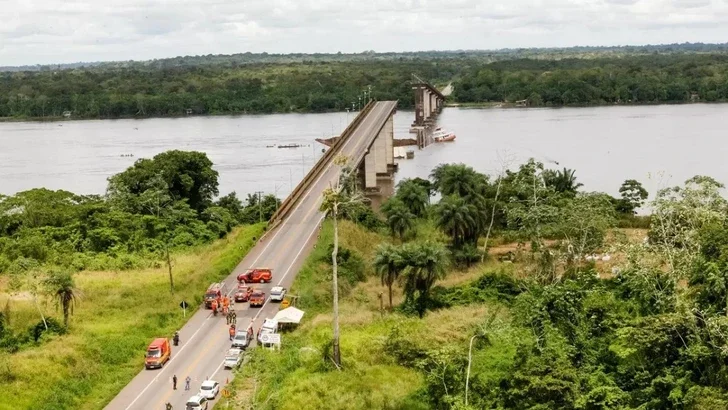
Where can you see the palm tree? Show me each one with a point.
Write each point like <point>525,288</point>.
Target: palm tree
<point>426,263</point>
<point>414,196</point>
<point>455,179</point>
<point>341,195</point>
<point>563,181</point>
<point>62,287</point>
<point>399,219</point>
<point>388,262</point>
<point>457,218</point>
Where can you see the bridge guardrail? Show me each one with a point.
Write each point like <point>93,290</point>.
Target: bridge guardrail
<point>360,157</point>
<point>302,186</point>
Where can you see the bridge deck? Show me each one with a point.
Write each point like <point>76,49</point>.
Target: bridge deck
<point>204,339</point>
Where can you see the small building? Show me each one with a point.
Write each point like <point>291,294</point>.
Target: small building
<point>66,114</point>
<point>694,97</point>
<point>188,111</point>
<point>522,103</point>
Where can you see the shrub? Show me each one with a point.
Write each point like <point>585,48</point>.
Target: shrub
<point>54,327</point>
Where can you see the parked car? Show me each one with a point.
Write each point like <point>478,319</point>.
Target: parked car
<point>257,275</point>
<point>241,340</point>
<point>197,402</point>
<point>243,293</point>
<point>209,389</point>
<point>257,299</point>
<point>233,358</point>
<point>269,326</point>
<point>277,293</point>
<point>158,353</point>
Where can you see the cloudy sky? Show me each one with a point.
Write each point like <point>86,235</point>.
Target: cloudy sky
<point>64,31</point>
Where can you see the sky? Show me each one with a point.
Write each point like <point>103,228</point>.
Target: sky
<point>66,31</point>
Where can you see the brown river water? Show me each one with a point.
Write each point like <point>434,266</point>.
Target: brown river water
<point>658,145</point>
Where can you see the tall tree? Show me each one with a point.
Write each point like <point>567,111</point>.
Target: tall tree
<point>62,287</point>
<point>388,262</point>
<point>426,263</point>
<point>634,196</point>
<point>414,196</point>
<point>457,218</point>
<point>455,179</point>
<point>157,201</point>
<point>336,197</point>
<point>399,219</point>
<point>188,175</point>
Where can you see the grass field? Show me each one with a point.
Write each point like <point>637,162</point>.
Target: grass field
<point>119,313</point>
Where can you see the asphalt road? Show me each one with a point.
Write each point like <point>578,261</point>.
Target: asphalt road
<point>204,339</point>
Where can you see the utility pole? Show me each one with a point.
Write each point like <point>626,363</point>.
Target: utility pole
<point>275,193</point>
<point>369,93</point>
<point>260,206</point>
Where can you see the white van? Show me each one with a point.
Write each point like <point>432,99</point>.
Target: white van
<point>269,326</point>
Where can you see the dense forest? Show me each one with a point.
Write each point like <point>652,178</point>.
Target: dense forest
<point>167,202</point>
<point>639,79</point>
<point>261,83</point>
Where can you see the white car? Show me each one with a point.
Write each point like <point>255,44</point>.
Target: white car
<point>209,389</point>
<point>197,402</point>
<point>241,341</point>
<point>233,358</point>
<point>277,293</point>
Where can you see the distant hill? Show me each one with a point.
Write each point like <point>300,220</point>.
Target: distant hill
<point>233,60</point>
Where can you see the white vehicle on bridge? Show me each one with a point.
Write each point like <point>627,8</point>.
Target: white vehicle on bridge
<point>209,389</point>
<point>233,358</point>
<point>277,293</point>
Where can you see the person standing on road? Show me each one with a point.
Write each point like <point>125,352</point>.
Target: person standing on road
<point>187,383</point>
<point>174,382</point>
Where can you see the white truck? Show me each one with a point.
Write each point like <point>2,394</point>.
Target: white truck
<point>270,326</point>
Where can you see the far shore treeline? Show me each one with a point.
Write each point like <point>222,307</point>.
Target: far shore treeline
<point>209,85</point>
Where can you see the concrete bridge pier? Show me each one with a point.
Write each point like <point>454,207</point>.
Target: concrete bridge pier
<point>428,104</point>
<point>378,167</point>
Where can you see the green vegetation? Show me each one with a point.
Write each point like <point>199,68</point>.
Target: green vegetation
<point>628,80</point>
<point>115,267</point>
<point>540,324</point>
<point>156,205</point>
<point>266,83</point>
<point>115,317</point>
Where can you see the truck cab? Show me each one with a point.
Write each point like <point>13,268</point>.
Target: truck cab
<point>213,292</point>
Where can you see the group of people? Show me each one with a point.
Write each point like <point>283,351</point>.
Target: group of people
<point>232,318</point>
<point>222,303</point>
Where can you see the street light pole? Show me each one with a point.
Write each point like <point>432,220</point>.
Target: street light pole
<point>260,206</point>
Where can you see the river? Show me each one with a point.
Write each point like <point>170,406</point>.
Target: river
<point>658,145</point>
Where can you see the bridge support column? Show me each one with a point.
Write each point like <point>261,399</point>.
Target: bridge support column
<point>378,166</point>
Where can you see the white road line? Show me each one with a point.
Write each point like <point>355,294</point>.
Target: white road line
<point>328,167</point>
<point>165,367</point>
<point>315,228</point>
